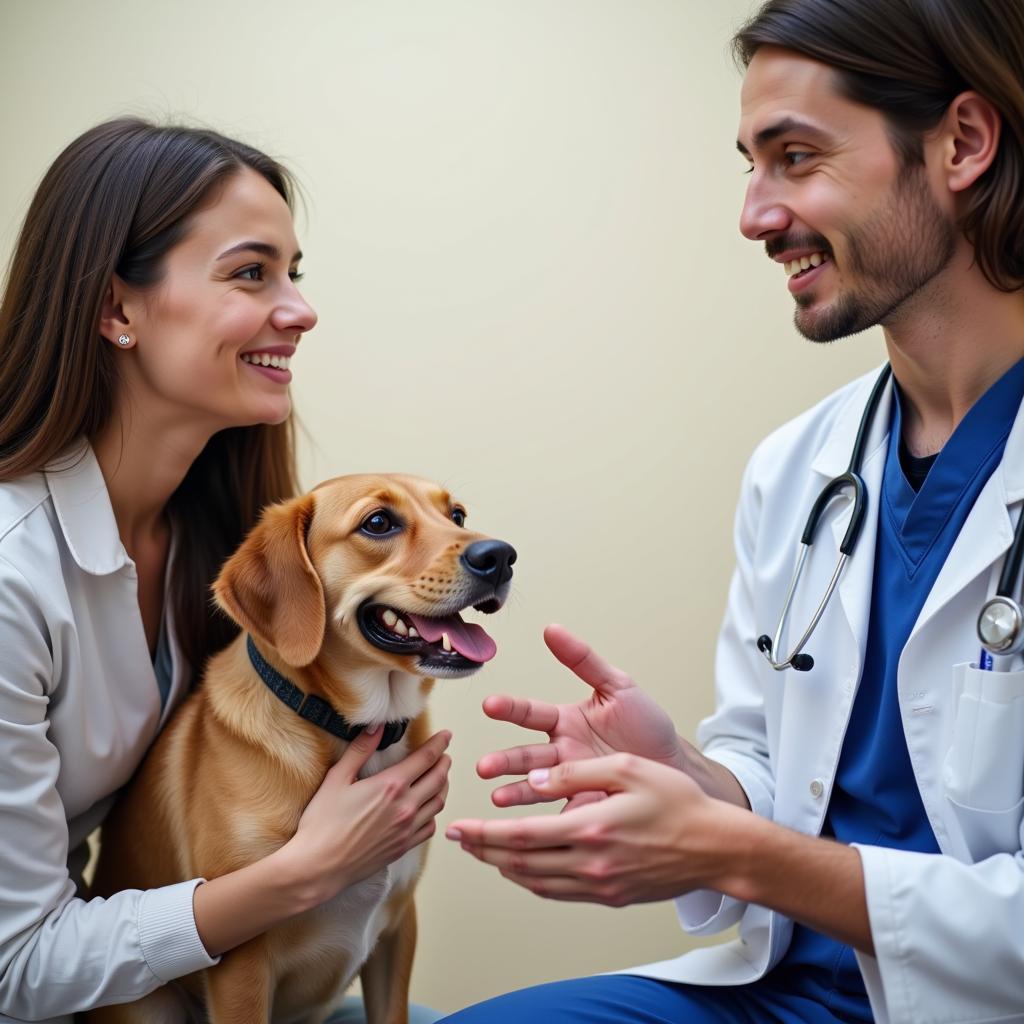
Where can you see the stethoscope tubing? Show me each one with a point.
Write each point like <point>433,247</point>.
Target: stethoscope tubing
<point>849,481</point>
<point>1000,624</point>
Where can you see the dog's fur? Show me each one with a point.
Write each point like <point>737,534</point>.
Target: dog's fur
<point>230,776</point>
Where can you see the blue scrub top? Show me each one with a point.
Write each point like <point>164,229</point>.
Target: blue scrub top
<point>875,799</point>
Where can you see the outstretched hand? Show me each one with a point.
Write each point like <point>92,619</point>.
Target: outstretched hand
<point>656,836</point>
<point>617,717</point>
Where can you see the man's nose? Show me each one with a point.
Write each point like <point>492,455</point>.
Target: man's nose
<point>764,214</point>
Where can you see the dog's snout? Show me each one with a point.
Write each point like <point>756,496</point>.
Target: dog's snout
<point>491,560</point>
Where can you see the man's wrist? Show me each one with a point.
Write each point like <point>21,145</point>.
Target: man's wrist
<point>715,779</point>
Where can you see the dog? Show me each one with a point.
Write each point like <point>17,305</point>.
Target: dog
<point>349,595</point>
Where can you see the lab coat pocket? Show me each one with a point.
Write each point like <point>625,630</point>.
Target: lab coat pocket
<point>983,774</point>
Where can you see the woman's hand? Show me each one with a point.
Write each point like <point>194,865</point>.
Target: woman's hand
<point>617,717</point>
<point>354,827</point>
<point>656,836</point>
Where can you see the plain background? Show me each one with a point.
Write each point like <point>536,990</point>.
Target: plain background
<point>521,238</point>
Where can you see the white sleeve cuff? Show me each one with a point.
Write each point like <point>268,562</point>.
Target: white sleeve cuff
<point>167,931</point>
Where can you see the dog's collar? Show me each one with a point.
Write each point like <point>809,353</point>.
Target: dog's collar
<point>315,709</point>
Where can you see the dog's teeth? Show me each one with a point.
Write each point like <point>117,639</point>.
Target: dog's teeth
<point>390,618</point>
<point>400,627</point>
<point>413,633</point>
<point>445,642</point>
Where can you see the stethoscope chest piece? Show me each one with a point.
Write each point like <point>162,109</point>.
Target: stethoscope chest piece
<point>999,625</point>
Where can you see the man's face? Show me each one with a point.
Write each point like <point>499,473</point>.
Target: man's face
<point>859,233</point>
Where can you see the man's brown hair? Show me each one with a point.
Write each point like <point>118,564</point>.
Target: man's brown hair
<point>910,59</point>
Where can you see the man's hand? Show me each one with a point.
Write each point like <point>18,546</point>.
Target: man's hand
<point>656,836</point>
<point>617,717</point>
<point>659,835</point>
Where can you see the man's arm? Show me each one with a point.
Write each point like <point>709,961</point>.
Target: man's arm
<point>659,835</point>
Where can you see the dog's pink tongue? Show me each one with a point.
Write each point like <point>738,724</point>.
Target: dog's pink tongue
<point>469,639</point>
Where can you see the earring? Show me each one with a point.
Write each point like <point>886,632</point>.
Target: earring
<point>124,341</point>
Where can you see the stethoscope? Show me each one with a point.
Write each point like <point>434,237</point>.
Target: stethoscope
<point>1001,621</point>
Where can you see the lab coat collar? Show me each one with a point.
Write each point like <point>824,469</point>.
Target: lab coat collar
<point>86,517</point>
<point>833,458</point>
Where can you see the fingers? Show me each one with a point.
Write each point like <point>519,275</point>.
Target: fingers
<point>422,760</point>
<point>527,863</point>
<point>431,782</point>
<point>584,661</point>
<point>518,794</point>
<point>521,833</point>
<point>358,752</point>
<point>530,714</point>
<point>517,760</point>
<point>609,774</point>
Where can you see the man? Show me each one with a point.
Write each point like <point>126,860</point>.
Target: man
<point>860,817</point>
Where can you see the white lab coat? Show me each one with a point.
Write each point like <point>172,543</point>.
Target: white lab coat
<point>79,705</point>
<point>948,929</point>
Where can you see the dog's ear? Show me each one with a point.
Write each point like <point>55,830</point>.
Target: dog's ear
<point>270,588</point>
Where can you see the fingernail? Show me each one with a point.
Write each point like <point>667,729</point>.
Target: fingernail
<point>539,776</point>
<point>376,729</point>
<point>453,833</point>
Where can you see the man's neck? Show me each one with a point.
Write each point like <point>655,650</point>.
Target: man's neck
<point>948,345</point>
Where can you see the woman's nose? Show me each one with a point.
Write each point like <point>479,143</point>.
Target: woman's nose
<point>294,314</point>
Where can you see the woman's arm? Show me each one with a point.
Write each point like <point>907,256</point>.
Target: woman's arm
<point>350,829</point>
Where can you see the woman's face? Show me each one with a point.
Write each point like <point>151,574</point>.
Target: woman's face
<point>227,304</point>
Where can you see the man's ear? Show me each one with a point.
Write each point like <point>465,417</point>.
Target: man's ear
<point>972,129</point>
<point>270,588</point>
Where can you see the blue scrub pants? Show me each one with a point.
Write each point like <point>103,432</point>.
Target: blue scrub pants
<point>628,999</point>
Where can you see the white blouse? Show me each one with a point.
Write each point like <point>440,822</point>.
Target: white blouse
<point>79,706</point>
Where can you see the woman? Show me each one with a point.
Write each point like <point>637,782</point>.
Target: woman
<point>141,432</point>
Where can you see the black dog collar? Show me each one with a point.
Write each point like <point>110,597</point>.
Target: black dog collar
<point>315,709</point>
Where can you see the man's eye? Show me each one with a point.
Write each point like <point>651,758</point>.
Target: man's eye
<point>378,524</point>
<point>797,156</point>
<point>458,516</point>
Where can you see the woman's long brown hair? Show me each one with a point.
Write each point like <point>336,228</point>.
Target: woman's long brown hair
<point>116,201</point>
<point>910,59</point>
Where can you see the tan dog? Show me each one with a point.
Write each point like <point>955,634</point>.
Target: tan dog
<point>350,594</point>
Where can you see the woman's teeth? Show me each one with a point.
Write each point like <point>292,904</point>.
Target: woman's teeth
<point>264,359</point>
<point>804,263</point>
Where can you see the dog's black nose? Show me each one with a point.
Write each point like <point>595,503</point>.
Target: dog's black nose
<point>491,560</point>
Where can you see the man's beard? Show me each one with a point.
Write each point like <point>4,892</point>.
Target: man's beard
<point>903,245</point>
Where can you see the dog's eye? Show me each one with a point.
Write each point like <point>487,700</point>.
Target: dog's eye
<point>458,516</point>
<point>378,524</point>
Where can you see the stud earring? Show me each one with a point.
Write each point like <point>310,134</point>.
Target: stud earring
<point>124,341</point>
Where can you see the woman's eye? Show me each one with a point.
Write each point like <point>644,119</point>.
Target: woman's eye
<point>253,273</point>
<point>378,524</point>
<point>296,276</point>
<point>459,516</point>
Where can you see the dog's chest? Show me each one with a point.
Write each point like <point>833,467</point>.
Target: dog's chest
<point>343,931</point>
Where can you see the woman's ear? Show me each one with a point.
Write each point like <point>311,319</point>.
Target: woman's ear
<point>115,322</point>
<point>972,129</point>
<point>270,588</point>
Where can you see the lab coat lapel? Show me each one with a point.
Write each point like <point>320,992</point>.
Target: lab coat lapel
<point>988,531</point>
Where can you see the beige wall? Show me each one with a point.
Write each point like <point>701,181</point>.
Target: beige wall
<point>521,240</point>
